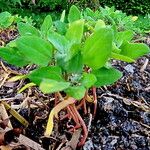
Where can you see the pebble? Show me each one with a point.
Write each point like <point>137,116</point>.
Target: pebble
<point>88,145</point>
<point>129,68</point>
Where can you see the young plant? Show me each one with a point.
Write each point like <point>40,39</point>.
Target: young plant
<point>72,57</point>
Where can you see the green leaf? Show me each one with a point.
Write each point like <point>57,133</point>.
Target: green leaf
<point>88,80</point>
<point>51,86</point>
<point>26,29</point>
<point>60,43</point>
<point>46,26</point>
<point>115,49</point>
<point>74,14</point>
<point>75,64</point>
<point>106,76</point>
<point>62,18</point>
<point>12,56</point>
<point>97,48</point>
<point>50,72</point>
<point>61,27</point>
<point>37,50</point>
<point>6,19</point>
<point>122,57</point>
<point>134,50</point>
<point>76,92</point>
<point>124,36</point>
<point>75,32</point>
<point>89,13</point>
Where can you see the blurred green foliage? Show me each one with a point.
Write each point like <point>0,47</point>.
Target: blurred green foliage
<point>130,7</point>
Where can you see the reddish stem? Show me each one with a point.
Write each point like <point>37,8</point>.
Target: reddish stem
<point>85,131</point>
<point>73,115</point>
<point>82,103</point>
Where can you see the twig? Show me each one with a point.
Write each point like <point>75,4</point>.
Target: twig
<point>5,78</point>
<point>95,100</point>
<point>144,66</point>
<point>90,121</point>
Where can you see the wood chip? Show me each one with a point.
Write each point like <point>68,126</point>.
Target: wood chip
<point>144,66</point>
<point>29,143</point>
<point>4,115</point>
<point>72,144</point>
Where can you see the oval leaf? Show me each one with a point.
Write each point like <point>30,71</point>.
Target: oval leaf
<point>46,26</point>
<point>37,50</point>
<point>97,48</point>
<point>12,56</point>
<point>134,50</point>
<point>51,86</point>
<point>88,80</point>
<point>52,72</point>
<point>75,32</point>
<point>76,92</point>
<point>106,76</point>
<point>26,29</point>
<point>74,14</point>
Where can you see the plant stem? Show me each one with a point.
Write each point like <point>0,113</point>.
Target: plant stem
<point>85,131</point>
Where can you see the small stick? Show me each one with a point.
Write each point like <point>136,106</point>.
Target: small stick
<point>90,121</point>
<point>95,100</point>
<point>5,78</point>
<point>144,66</point>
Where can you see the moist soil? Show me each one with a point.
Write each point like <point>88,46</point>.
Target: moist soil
<point>122,120</point>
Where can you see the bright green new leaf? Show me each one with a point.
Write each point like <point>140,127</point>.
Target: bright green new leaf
<point>50,72</point>
<point>122,57</point>
<point>62,18</point>
<point>97,48</point>
<point>60,43</point>
<point>37,50</point>
<point>6,19</point>
<point>88,80</point>
<point>74,14</point>
<point>134,50</point>
<point>106,76</point>
<point>46,26</point>
<point>12,56</point>
<point>75,32</point>
<point>76,92</point>
<point>26,29</point>
<point>99,24</point>
<point>51,86</point>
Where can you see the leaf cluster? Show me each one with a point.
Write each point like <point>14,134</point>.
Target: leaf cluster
<point>7,20</point>
<point>72,54</point>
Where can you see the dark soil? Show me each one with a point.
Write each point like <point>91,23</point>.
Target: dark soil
<point>122,121</point>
